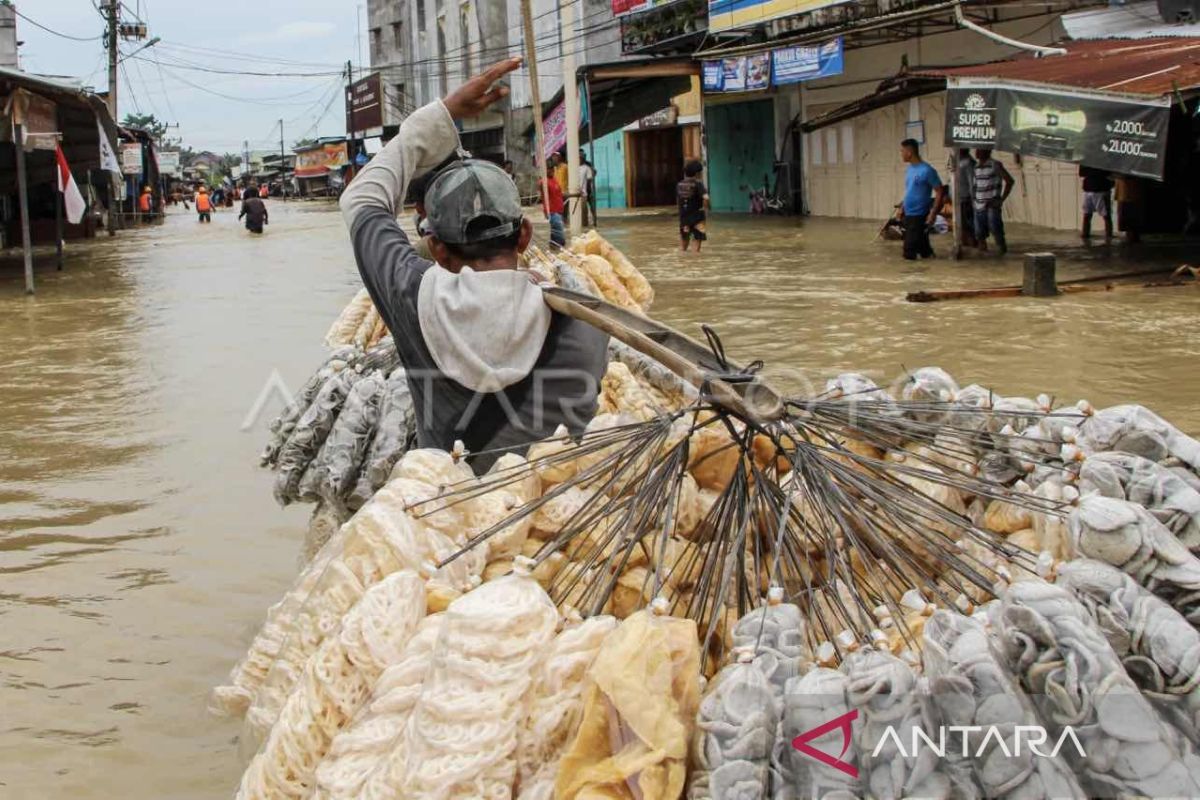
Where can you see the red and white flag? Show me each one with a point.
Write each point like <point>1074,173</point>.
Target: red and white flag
<point>72,199</point>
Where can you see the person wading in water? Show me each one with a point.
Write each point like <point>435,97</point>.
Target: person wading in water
<point>488,363</point>
<point>204,204</point>
<point>255,212</point>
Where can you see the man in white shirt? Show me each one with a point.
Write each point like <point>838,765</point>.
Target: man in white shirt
<point>587,186</point>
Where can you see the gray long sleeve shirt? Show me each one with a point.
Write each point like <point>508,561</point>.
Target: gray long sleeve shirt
<point>564,384</point>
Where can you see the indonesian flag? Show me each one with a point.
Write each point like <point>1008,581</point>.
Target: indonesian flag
<point>72,199</point>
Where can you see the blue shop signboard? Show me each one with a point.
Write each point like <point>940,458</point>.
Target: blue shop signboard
<point>773,68</point>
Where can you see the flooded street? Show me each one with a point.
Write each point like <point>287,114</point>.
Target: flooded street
<point>140,544</point>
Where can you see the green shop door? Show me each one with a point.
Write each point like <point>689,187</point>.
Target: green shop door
<point>610,170</point>
<point>741,151</point>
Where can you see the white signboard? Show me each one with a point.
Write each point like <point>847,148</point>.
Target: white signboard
<point>168,164</point>
<point>131,158</point>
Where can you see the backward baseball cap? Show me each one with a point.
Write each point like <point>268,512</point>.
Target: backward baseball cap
<point>473,195</point>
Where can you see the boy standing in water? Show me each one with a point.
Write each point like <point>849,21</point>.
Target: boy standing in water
<point>692,197</point>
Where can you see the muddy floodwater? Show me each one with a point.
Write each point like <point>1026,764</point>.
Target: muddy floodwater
<point>140,545</point>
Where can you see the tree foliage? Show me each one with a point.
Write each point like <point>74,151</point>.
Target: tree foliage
<point>148,123</point>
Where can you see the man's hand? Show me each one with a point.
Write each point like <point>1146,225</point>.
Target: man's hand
<point>480,92</point>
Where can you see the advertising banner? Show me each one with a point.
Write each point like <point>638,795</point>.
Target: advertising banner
<point>1114,134</point>
<point>758,72</point>
<point>623,7</point>
<point>711,76</point>
<point>321,160</point>
<point>554,124</point>
<point>131,158</point>
<point>724,15</point>
<point>772,68</point>
<point>554,128</point>
<point>796,64</point>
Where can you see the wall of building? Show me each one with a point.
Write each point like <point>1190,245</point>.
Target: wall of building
<point>443,42</point>
<point>853,169</point>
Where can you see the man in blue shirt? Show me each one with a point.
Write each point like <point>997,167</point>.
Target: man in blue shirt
<point>920,209</point>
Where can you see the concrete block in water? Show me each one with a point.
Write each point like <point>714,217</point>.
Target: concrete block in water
<point>1039,278</point>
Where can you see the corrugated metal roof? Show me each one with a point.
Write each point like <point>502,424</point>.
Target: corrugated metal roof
<point>1155,67</point>
<point>1130,21</point>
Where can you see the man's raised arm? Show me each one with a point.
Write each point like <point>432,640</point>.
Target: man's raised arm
<point>426,138</point>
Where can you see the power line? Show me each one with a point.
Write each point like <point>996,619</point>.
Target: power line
<point>163,83</point>
<point>129,85</point>
<point>241,56</point>
<point>270,101</point>
<point>321,117</point>
<point>335,87</point>
<point>37,24</point>
<point>181,64</point>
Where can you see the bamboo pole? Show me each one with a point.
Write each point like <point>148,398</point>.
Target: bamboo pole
<point>535,96</point>
<point>957,191</point>
<point>571,103</point>
<point>58,229</point>
<point>23,202</point>
<point>587,93</point>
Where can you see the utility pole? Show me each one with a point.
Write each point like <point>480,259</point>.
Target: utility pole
<point>535,94</point>
<point>571,101</point>
<point>111,9</point>
<point>282,164</point>
<point>353,151</point>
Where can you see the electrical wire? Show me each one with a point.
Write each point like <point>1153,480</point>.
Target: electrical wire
<point>518,48</point>
<point>242,56</point>
<point>336,86</point>
<point>282,100</point>
<point>179,64</point>
<point>320,118</point>
<point>129,85</point>
<point>162,81</point>
<point>154,109</point>
<point>37,24</point>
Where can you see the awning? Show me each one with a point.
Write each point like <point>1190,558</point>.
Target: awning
<point>1134,20</point>
<point>890,91</point>
<point>1104,104</point>
<point>625,91</point>
<point>1153,67</point>
<point>81,115</point>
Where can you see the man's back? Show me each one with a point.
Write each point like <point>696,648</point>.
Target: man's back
<point>571,363</point>
<point>254,210</point>
<point>689,195</point>
<point>560,388</point>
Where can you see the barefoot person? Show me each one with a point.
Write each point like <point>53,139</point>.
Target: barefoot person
<point>692,197</point>
<point>488,363</point>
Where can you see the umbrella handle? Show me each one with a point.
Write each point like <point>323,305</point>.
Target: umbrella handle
<point>751,400</point>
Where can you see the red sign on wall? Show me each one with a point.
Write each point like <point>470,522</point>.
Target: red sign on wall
<point>620,7</point>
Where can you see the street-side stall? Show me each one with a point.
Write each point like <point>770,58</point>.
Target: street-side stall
<point>1046,114</point>
<point>1124,109</point>
<point>712,598</point>
<point>57,162</point>
<point>319,168</point>
<point>142,175</point>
